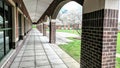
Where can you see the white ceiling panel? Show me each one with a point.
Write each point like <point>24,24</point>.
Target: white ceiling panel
<point>36,8</point>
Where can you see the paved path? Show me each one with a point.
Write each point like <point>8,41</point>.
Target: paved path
<point>62,37</point>
<point>38,53</point>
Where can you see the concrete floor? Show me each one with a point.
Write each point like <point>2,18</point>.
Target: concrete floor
<point>37,52</point>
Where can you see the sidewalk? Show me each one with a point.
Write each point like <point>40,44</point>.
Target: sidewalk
<point>38,53</point>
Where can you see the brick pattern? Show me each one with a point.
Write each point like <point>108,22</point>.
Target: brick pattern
<point>99,39</point>
<point>44,29</point>
<point>109,38</point>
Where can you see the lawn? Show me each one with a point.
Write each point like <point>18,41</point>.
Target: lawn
<point>33,26</point>
<point>118,43</point>
<point>118,51</point>
<point>118,63</point>
<point>68,31</point>
<point>72,48</point>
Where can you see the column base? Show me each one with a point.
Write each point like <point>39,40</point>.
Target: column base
<point>21,37</point>
<point>13,45</point>
<point>52,41</point>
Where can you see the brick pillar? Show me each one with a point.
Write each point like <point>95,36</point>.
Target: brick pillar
<point>41,27</point>
<point>44,29</point>
<point>99,34</point>
<point>52,34</point>
<point>38,27</point>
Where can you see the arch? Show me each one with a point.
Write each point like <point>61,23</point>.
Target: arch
<point>61,4</point>
<point>94,16</point>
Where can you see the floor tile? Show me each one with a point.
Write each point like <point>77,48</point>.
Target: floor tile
<point>27,64</point>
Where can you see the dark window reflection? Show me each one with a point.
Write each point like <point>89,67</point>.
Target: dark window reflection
<point>5,29</point>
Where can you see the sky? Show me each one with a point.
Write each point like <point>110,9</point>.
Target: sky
<point>69,6</point>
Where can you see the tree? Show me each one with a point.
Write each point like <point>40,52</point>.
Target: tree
<point>73,17</point>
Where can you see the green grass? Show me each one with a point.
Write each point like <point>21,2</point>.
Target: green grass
<point>118,51</point>
<point>118,63</point>
<point>68,31</point>
<point>33,26</point>
<point>72,48</point>
<point>118,43</point>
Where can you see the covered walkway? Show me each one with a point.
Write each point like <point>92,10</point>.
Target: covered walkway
<point>37,52</point>
<point>99,34</point>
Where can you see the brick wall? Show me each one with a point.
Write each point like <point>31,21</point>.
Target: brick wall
<point>52,34</point>
<point>109,38</point>
<point>99,31</point>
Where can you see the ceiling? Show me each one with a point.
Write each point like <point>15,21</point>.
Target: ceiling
<point>36,8</point>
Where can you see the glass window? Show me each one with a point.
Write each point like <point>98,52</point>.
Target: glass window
<point>1,5</point>
<point>1,38</point>
<point>5,29</point>
<point>7,41</point>
<point>1,21</point>
<point>8,30</point>
<point>6,7</point>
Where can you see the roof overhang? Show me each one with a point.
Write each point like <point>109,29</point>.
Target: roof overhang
<point>36,8</point>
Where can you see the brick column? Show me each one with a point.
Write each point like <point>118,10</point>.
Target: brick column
<point>41,27</point>
<point>44,29</point>
<point>52,34</point>
<point>99,34</point>
<point>38,27</point>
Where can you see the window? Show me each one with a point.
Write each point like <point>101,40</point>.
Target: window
<point>5,29</point>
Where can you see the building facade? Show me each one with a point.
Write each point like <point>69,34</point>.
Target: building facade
<point>14,25</point>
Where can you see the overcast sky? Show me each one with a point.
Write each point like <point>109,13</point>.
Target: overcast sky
<point>71,6</point>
